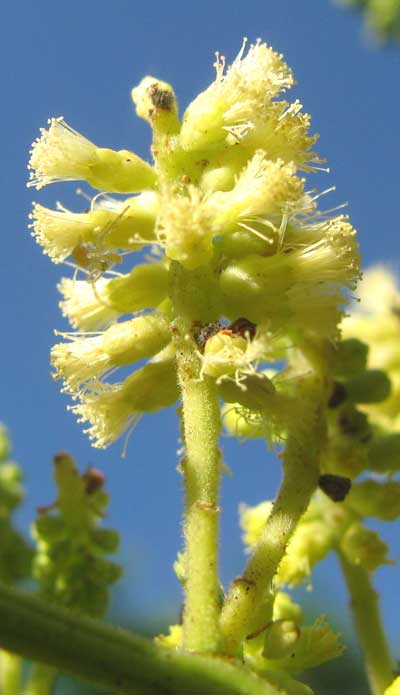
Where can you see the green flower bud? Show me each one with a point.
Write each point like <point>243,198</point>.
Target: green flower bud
<point>315,645</point>
<point>62,154</point>
<point>235,97</point>
<point>49,528</point>
<point>350,357</point>
<point>364,547</point>
<point>145,287</point>
<point>353,424</point>
<point>120,172</point>
<point>224,355</point>
<point>256,392</point>
<point>384,453</point>
<point>380,500</point>
<point>132,340</point>
<point>241,243</point>
<point>370,386</point>
<point>85,359</point>
<point>218,179</point>
<point>113,410</point>
<point>280,639</point>
<point>155,102</point>
<point>127,225</point>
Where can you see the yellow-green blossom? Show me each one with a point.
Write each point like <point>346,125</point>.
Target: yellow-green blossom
<point>236,98</point>
<point>62,154</point>
<point>83,359</point>
<point>230,219</point>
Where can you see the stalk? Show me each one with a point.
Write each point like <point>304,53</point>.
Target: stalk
<point>364,602</point>
<point>202,472</point>
<point>243,610</point>
<point>112,658</point>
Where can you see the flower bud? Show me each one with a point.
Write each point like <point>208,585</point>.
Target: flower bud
<point>146,286</point>
<point>350,357</point>
<point>240,243</point>
<point>128,225</point>
<point>364,547</point>
<point>116,408</point>
<point>62,154</point>
<point>155,102</point>
<point>280,639</point>
<point>380,500</point>
<point>369,386</point>
<point>132,340</point>
<point>224,355</point>
<point>236,96</point>
<point>120,172</point>
<point>384,453</point>
<point>84,359</point>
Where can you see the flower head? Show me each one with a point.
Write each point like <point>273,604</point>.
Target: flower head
<point>226,215</point>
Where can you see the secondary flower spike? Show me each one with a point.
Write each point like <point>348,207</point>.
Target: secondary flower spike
<point>224,210</point>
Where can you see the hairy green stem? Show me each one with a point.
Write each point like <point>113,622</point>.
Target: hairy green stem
<point>41,680</point>
<point>243,610</point>
<point>113,658</point>
<point>202,472</point>
<point>10,673</point>
<point>364,602</point>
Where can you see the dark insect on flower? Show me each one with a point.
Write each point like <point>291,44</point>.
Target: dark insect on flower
<point>202,333</point>
<point>94,480</point>
<point>243,327</point>
<point>94,260</point>
<point>336,487</point>
<point>161,98</point>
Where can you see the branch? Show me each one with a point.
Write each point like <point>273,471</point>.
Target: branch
<point>114,658</point>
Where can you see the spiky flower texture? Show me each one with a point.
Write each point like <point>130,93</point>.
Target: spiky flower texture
<point>225,198</point>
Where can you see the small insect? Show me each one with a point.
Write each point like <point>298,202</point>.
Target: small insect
<point>242,327</point>
<point>336,487</point>
<point>93,479</point>
<point>202,333</point>
<point>161,98</point>
<point>95,261</point>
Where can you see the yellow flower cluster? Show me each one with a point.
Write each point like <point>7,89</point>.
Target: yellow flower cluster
<point>225,208</point>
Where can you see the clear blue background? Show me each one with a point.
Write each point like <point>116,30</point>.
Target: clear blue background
<point>79,60</point>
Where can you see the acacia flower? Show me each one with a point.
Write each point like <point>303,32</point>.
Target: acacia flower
<point>226,213</point>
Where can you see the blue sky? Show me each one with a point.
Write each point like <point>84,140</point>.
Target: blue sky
<point>80,60</point>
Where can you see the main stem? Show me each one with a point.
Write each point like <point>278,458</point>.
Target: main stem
<point>201,468</point>
<point>112,658</point>
<point>364,602</point>
<point>242,612</point>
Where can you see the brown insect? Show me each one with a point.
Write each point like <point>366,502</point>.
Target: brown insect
<point>94,260</point>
